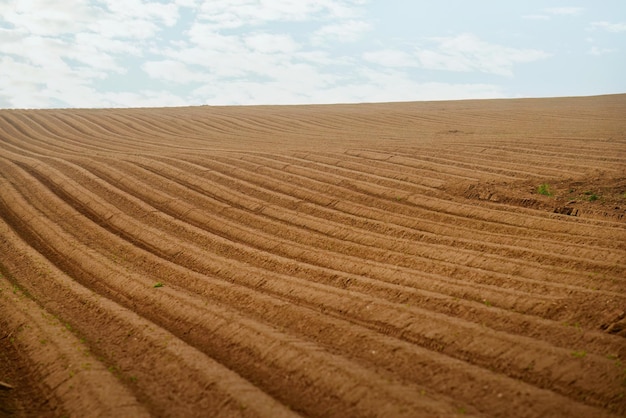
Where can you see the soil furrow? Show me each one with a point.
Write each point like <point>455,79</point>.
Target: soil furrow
<point>471,262</point>
<point>483,246</point>
<point>135,349</point>
<point>411,327</point>
<point>264,186</point>
<point>390,259</point>
<point>245,338</point>
<point>61,362</point>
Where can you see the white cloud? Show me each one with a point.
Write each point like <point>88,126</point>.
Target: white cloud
<point>347,31</point>
<point>75,52</point>
<point>30,85</point>
<point>365,85</point>
<point>566,11</point>
<point>229,14</point>
<point>228,44</point>
<point>39,87</point>
<point>610,27</point>
<point>55,53</point>
<point>172,71</point>
<point>601,51</point>
<point>229,65</point>
<point>49,17</point>
<point>395,85</point>
<point>130,19</point>
<point>145,98</point>
<point>467,52</point>
<point>536,17</point>
<point>391,58</point>
<point>547,13</point>
<point>57,50</point>
<point>135,10</point>
<point>85,55</point>
<point>319,58</point>
<point>207,38</point>
<point>267,43</point>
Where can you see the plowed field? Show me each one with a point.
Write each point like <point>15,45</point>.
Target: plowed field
<point>344,260</point>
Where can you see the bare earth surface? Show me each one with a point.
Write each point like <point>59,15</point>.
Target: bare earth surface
<point>327,261</point>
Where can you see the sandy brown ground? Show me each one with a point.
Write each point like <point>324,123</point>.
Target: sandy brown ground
<point>331,261</point>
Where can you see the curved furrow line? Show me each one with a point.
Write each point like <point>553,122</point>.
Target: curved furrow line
<point>326,260</point>
<point>571,144</point>
<point>81,139</point>
<point>440,220</point>
<point>321,124</point>
<point>399,354</point>
<point>507,115</point>
<point>330,276</point>
<point>422,206</point>
<point>351,174</point>
<point>375,168</point>
<point>135,138</point>
<point>397,293</point>
<point>133,345</point>
<point>271,124</point>
<point>369,120</point>
<point>480,165</point>
<point>416,325</point>
<point>397,187</point>
<point>93,136</point>
<point>432,253</point>
<point>280,257</point>
<point>271,189</point>
<point>369,166</point>
<point>329,121</point>
<point>63,360</point>
<point>230,125</point>
<point>209,124</point>
<point>420,119</point>
<point>590,154</point>
<point>238,125</point>
<point>182,126</point>
<point>401,120</point>
<point>538,148</point>
<point>501,159</point>
<point>110,139</point>
<point>446,171</point>
<point>107,215</point>
<point>52,131</point>
<point>364,120</point>
<point>36,130</point>
<point>499,156</point>
<point>580,261</point>
<point>548,166</point>
<point>309,124</point>
<point>378,160</point>
<point>255,351</point>
<point>377,195</point>
<point>437,204</point>
<point>154,127</point>
<point>251,125</point>
<point>16,135</point>
<point>528,222</point>
<point>187,136</point>
<point>113,133</point>
<point>13,147</point>
<point>307,257</point>
<point>607,153</point>
<point>127,126</point>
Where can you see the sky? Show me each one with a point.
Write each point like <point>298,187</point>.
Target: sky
<point>145,53</point>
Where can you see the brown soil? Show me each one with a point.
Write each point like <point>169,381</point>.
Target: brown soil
<point>405,259</point>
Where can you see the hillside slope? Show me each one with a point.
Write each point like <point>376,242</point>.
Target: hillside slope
<point>401,259</point>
